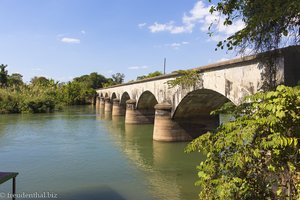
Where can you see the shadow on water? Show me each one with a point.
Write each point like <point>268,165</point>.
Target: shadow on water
<point>102,193</point>
<point>169,171</point>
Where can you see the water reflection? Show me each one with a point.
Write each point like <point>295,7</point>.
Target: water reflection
<point>80,153</point>
<point>169,172</point>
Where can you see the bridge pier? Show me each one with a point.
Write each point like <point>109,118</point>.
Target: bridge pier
<point>107,106</point>
<point>165,129</point>
<point>135,116</point>
<point>117,109</point>
<point>97,102</point>
<point>101,104</point>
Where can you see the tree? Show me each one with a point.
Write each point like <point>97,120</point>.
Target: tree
<point>94,80</point>
<point>256,156</point>
<point>109,82</point>
<point>97,80</point>
<point>118,78</point>
<point>269,24</point>
<point>15,79</point>
<point>39,80</point>
<point>150,75</point>
<point>3,75</point>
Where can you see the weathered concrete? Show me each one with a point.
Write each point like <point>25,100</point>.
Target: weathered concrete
<point>165,129</point>
<point>107,105</point>
<point>97,103</point>
<point>117,109</point>
<point>134,116</point>
<point>101,104</point>
<point>191,106</point>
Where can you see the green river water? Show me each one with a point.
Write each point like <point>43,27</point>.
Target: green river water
<point>80,154</point>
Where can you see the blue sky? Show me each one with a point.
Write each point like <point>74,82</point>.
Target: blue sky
<point>62,39</point>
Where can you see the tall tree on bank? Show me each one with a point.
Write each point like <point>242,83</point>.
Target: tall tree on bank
<point>118,78</point>
<point>3,75</point>
<point>115,79</point>
<point>15,79</point>
<point>269,25</point>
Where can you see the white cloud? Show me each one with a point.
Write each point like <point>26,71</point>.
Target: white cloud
<point>170,27</point>
<point>177,45</point>
<point>200,16</point>
<point>156,27</point>
<point>198,12</point>
<point>141,25</point>
<point>70,40</point>
<point>138,67</point>
<point>83,32</point>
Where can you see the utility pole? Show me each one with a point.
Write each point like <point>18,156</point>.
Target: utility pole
<point>165,62</point>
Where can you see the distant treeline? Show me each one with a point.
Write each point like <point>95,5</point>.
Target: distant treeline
<point>46,95</point>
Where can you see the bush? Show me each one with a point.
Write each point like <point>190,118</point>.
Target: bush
<point>256,156</point>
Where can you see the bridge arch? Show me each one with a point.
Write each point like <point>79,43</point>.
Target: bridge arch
<point>124,97</point>
<point>147,101</point>
<point>145,111</point>
<point>193,111</point>
<point>113,96</point>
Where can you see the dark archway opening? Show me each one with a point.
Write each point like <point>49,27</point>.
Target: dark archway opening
<point>193,112</point>
<point>125,96</point>
<point>146,104</point>
<point>113,96</point>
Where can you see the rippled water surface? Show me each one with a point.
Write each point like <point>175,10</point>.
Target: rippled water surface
<point>79,154</point>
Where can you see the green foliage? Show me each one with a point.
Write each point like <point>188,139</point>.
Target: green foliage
<point>15,80</point>
<point>3,75</point>
<point>82,89</point>
<point>118,78</point>
<point>109,83</point>
<point>186,78</point>
<point>268,23</point>
<point>257,155</point>
<point>94,80</point>
<point>150,75</point>
<point>46,95</point>
<point>27,99</point>
<point>115,79</point>
<point>40,80</point>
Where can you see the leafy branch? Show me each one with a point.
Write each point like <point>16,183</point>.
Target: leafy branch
<point>186,79</point>
<point>257,155</point>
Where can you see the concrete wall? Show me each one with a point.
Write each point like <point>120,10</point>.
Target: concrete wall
<point>233,79</point>
<point>179,113</point>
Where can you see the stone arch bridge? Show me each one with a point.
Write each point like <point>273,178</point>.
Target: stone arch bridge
<point>179,113</point>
